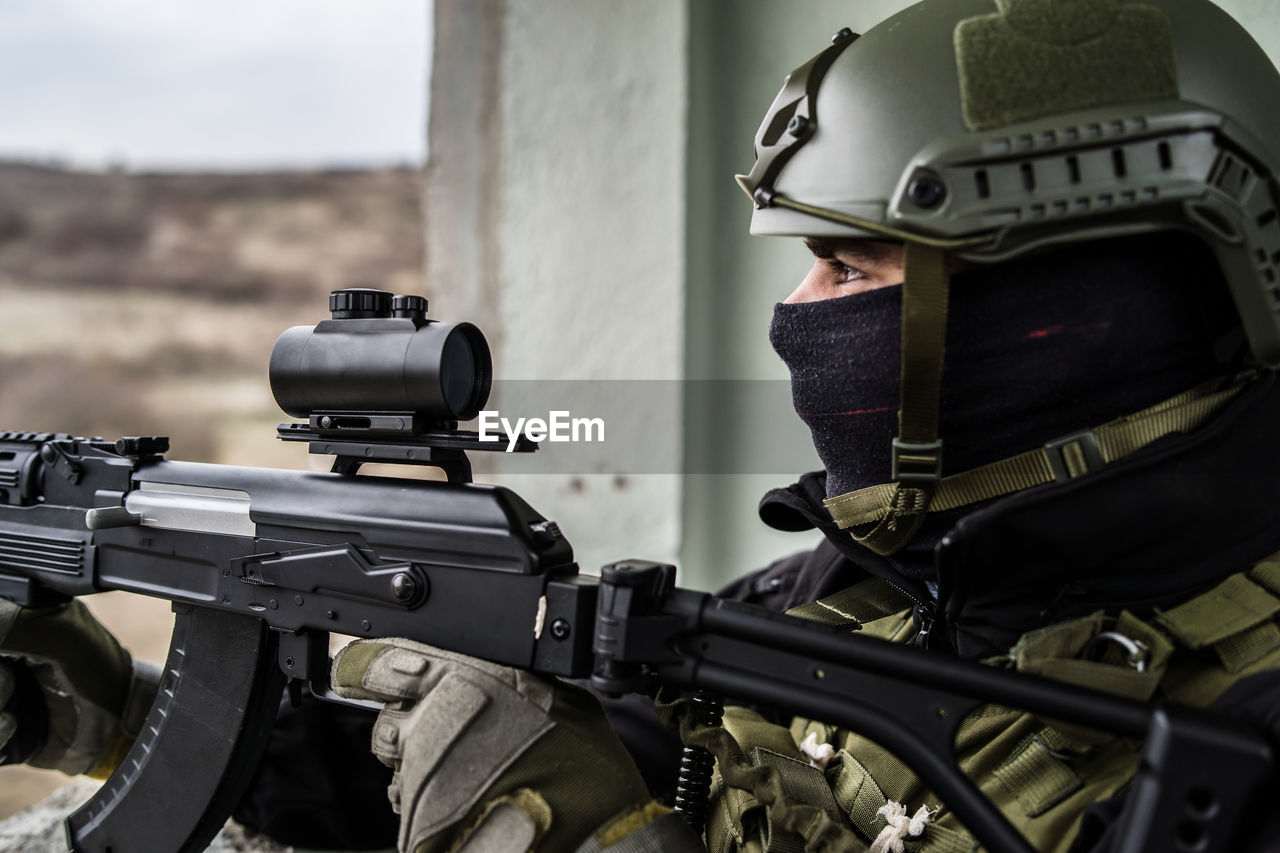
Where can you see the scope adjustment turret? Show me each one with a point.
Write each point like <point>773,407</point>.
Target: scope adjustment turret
<point>408,306</point>
<point>359,303</point>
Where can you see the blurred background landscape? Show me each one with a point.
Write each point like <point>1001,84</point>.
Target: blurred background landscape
<point>178,185</point>
<point>148,303</point>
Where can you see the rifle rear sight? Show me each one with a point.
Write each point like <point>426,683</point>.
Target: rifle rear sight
<point>379,382</point>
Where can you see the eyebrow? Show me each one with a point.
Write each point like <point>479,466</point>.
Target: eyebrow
<point>864,251</point>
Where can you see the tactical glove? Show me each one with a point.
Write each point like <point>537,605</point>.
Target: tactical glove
<point>490,758</point>
<point>95,696</point>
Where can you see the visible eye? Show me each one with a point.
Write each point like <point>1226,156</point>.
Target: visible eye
<point>844,273</point>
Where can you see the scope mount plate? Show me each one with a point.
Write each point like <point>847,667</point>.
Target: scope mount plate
<point>397,439</point>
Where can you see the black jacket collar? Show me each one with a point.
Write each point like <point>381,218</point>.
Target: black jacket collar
<point>799,507</point>
<point>1147,531</point>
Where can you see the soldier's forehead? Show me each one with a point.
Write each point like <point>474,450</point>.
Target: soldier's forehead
<point>868,251</point>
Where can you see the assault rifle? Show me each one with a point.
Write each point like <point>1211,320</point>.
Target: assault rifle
<point>261,565</point>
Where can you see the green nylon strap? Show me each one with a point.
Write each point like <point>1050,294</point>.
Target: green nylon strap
<point>1036,776</point>
<point>1248,647</point>
<point>1114,440</point>
<point>827,612</point>
<point>1267,573</point>
<point>1237,604</point>
<point>801,783</point>
<point>924,327</point>
<point>860,798</point>
<point>765,784</point>
<point>857,793</point>
<point>917,450</point>
<point>762,783</point>
<point>1251,645</point>
<point>854,606</point>
<point>1054,652</point>
<point>940,839</point>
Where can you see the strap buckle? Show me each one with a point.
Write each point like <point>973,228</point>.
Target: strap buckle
<point>1137,654</point>
<point>1086,459</point>
<point>916,462</point>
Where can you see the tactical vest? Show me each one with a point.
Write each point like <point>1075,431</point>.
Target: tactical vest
<point>1041,775</point>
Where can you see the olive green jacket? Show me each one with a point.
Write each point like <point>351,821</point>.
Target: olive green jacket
<point>1041,774</point>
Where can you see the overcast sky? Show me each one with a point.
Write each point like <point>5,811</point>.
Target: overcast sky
<point>213,83</point>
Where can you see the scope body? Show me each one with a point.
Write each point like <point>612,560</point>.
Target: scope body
<point>362,363</point>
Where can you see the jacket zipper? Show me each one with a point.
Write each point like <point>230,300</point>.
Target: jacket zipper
<point>922,614</point>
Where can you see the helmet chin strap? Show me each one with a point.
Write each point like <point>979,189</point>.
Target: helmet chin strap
<point>899,507</point>
<point>917,451</point>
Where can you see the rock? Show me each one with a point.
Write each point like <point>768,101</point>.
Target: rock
<point>38,829</point>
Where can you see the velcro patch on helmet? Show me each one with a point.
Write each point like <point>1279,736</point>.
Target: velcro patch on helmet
<point>1042,57</point>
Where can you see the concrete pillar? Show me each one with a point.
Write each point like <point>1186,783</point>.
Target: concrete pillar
<point>554,204</point>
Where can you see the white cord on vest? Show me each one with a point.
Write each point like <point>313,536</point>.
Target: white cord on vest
<point>899,826</point>
<point>819,754</point>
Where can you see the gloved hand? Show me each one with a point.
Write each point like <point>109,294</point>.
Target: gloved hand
<point>95,696</point>
<point>490,758</point>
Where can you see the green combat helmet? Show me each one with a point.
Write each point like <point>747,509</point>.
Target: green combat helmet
<point>986,129</point>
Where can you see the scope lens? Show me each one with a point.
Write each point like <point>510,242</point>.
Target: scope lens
<point>464,380</point>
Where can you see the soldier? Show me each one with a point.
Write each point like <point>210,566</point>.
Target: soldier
<point>1036,355</point>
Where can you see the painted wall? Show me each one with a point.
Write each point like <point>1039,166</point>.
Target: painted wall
<point>740,52</point>
<point>555,218</point>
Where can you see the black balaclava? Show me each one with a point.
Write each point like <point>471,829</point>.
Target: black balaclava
<point>1035,349</point>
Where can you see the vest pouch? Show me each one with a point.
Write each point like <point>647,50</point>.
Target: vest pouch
<point>1125,657</point>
